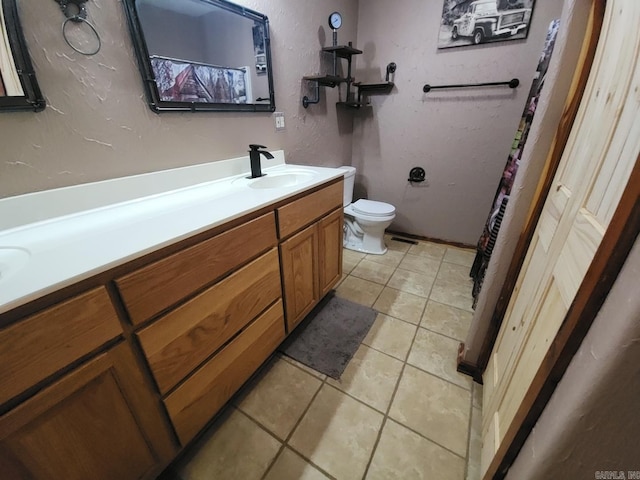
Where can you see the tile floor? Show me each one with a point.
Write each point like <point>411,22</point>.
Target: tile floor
<point>400,410</point>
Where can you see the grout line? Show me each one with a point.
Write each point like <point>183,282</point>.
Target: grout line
<point>441,334</point>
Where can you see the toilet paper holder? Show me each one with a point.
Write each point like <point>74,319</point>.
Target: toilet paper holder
<point>416,175</point>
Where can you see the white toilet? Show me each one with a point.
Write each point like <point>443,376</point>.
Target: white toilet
<point>364,220</point>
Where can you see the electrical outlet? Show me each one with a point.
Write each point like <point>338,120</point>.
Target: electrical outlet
<point>279,119</point>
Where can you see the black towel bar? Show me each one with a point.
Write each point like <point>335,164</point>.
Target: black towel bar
<point>513,83</point>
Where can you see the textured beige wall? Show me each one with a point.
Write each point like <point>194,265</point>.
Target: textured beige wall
<point>97,124</point>
<point>591,423</point>
<point>460,137</point>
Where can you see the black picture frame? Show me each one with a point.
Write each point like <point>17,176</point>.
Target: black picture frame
<point>19,89</point>
<point>476,22</point>
<point>158,101</point>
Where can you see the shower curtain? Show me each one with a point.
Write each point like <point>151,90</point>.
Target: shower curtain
<point>494,220</point>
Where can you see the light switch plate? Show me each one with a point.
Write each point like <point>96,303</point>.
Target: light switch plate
<point>279,120</point>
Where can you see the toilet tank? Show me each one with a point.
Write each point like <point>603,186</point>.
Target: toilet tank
<point>349,181</point>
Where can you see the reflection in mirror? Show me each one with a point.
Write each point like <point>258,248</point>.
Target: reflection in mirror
<point>202,55</point>
<point>18,86</point>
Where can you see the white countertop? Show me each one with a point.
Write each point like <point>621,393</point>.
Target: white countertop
<point>55,238</point>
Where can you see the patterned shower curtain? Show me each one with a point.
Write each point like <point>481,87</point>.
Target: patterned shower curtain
<point>492,225</point>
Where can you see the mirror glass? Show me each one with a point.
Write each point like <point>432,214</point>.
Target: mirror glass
<point>18,86</point>
<point>202,55</point>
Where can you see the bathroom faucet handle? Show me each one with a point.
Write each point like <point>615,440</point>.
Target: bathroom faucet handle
<point>256,147</point>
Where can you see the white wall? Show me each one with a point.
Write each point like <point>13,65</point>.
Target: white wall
<point>97,124</point>
<point>461,137</point>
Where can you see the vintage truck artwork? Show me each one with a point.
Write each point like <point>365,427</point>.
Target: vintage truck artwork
<point>474,22</point>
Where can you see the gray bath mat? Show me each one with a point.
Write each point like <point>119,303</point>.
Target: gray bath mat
<point>330,335</point>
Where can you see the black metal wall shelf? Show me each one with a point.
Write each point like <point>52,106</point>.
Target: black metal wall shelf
<point>353,100</point>
<point>342,51</point>
<point>325,80</point>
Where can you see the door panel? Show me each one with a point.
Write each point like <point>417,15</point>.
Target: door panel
<point>593,172</point>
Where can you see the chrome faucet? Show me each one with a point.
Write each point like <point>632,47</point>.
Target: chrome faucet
<point>254,158</point>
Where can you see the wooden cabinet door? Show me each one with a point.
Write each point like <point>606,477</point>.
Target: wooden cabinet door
<point>330,250</point>
<point>299,263</point>
<point>93,423</point>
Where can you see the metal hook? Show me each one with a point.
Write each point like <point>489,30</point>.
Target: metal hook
<point>74,10</point>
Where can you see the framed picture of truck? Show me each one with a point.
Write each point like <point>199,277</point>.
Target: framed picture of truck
<point>473,22</point>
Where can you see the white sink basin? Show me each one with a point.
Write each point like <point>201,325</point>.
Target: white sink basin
<point>12,259</point>
<point>280,180</point>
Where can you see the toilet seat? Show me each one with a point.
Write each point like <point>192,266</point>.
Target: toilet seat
<point>372,208</point>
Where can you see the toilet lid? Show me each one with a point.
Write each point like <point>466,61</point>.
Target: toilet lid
<point>373,208</point>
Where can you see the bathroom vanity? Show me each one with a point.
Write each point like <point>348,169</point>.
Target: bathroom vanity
<point>112,372</point>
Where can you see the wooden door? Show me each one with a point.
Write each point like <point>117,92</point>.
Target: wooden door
<point>299,263</point>
<point>330,250</point>
<point>93,423</point>
<point>592,175</point>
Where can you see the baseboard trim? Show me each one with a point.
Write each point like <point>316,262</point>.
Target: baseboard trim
<point>468,368</point>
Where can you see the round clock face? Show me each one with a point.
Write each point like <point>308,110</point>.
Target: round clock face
<point>335,20</point>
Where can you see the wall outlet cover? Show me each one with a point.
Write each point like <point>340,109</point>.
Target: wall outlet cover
<point>279,120</point>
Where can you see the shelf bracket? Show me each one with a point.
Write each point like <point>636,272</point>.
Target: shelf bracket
<point>306,101</point>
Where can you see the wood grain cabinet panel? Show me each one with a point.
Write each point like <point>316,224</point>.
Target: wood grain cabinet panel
<point>299,213</point>
<point>152,289</point>
<point>330,250</point>
<point>181,340</point>
<point>199,398</point>
<point>40,345</point>
<point>300,277</point>
<point>97,422</point>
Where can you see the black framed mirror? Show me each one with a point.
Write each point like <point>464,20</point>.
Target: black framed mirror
<point>19,89</point>
<point>202,55</point>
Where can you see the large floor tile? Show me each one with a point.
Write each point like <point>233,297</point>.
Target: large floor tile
<point>460,256</point>
<point>350,259</point>
<point>391,336</point>
<point>447,320</point>
<point>337,433</point>
<point>391,258</point>
<point>435,408</point>
<point>217,454</point>
<point>399,304</point>
<point>404,455</point>
<point>371,377</point>
<point>359,290</point>
<point>280,398</point>
<point>395,245</point>
<point>453,286</point>
<point>372,271</point>
<point>428,249</point>
<point>424,265</point>
<point>411,282</point>
<point>291,466</point>
<point>437,354</point>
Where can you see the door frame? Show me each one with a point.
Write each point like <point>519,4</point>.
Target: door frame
<point>610,256</point>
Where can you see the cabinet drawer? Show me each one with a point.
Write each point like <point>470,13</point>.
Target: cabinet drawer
<point>299,213</point>
<point>46,342</point>
<point>159,285</point>
<point>195,402</point>
<point>179,341</point>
